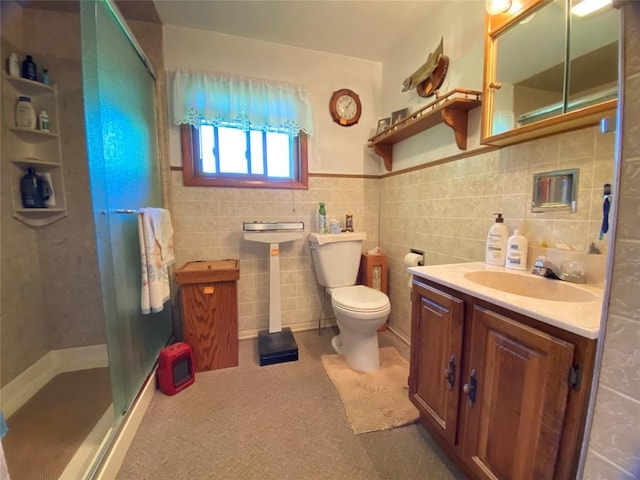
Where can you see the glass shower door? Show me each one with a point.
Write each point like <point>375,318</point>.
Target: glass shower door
<point>124,171</point>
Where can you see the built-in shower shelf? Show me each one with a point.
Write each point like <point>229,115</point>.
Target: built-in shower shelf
<point>39,217</point>
<point>29,148</point>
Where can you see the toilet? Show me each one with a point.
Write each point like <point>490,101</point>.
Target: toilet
<point>359,310</point>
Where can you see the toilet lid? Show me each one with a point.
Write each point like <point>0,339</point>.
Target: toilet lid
<point>359,298</point>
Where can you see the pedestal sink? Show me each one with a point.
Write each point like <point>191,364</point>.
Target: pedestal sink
<point>277,345</point>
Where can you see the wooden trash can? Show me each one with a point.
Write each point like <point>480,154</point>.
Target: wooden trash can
<point>210,312</point>
<point>373,273</point>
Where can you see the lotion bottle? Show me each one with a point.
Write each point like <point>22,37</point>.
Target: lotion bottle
<point>25,113</point>
<point>496,247</point>
<point>517,246</point>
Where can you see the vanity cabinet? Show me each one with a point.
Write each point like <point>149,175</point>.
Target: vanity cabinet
<point>27,148</point>
<point>436,348</point>
<point>497,389</point>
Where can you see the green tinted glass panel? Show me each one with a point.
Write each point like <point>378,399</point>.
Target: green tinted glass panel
<point>120,117</point>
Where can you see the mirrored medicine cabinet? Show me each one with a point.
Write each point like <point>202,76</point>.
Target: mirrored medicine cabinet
<point>548,70</point>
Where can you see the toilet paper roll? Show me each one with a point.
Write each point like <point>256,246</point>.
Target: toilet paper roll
<point>412,259</point>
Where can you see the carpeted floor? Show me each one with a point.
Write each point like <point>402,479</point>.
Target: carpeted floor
<point>283,421</point>
<point>46,431</point>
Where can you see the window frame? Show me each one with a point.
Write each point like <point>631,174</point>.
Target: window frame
<point>193,175</point>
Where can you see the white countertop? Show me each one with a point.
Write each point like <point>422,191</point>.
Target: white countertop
<point>582,318</point>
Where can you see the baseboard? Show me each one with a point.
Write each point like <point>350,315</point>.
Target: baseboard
<point>401,336</point>
<point>112,460</point>
<point>295,327</point>
<point>19,390</point>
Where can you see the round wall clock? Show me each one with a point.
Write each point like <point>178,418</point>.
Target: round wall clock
<point>345,107</point>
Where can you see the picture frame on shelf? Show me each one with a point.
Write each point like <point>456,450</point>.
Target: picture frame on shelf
<point>399,115</point>
<point>383,124</point>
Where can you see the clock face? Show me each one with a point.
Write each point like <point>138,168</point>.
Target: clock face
<point>345,107</point>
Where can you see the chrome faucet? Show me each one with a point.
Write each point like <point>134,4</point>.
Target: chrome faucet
<point>548,269</point>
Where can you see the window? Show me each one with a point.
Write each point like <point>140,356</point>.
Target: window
<point>234,156</point>
<point>241,131</point>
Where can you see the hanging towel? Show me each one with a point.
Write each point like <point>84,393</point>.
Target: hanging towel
<point>156,254</point>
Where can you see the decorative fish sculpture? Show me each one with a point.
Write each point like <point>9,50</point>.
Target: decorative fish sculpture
<point>426,70</point>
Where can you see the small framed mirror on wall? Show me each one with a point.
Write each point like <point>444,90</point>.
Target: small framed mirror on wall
<point>555,191</point>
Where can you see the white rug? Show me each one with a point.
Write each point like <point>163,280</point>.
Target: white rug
<point>373,400</point>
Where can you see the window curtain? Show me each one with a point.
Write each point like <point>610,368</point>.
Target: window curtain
<point>223,99</point>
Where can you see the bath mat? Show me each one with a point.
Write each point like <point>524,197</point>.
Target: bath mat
<point>376,400</point>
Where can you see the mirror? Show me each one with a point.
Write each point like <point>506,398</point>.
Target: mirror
<point>555,191</point>
<point>540,79</point>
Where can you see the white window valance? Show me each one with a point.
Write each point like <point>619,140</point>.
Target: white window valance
<point>224,99</point>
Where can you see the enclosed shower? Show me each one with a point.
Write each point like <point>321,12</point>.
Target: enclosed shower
<point>75,349</point>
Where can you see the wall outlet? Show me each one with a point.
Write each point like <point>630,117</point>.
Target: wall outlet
<point>421,253</point>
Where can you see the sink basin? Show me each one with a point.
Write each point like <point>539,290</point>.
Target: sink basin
<point>272,237</point>
<point>532,286</point>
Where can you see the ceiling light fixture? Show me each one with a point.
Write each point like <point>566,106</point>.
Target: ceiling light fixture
<point>494,7</point>
<point>585,7</point>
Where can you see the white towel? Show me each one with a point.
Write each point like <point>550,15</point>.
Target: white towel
<point>156,253</point>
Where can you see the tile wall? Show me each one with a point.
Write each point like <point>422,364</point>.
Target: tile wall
<point>446,210</point>
<point>614,444</point>
<point>208,226</point>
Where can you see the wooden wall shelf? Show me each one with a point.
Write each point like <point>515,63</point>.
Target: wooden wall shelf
<point>451,109</point>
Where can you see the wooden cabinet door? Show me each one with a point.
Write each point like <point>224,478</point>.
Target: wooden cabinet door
<point>512,429</point>
<point>436,345</point>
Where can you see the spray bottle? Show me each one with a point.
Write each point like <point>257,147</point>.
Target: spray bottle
<point>322,219</point>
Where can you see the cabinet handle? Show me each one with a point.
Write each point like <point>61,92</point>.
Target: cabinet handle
<point>495,85</point>
<point>470,388</point>
<point>450,373</point>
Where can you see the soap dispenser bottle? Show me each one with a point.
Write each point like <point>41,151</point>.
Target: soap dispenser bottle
<point>517,246</point>
<point>496,247</point>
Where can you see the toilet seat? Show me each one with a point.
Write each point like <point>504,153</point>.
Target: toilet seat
<point>359,299</point>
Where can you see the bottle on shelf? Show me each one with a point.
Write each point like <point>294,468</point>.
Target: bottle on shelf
<point>45,76</point>
<point>29,188</point>
<point>13,65</point>
<point>29,69</point>
<point>34,190</point>
<point>43,121</point>
<point>25,114</point>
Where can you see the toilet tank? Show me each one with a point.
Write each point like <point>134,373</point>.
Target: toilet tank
<point>336,257</point>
